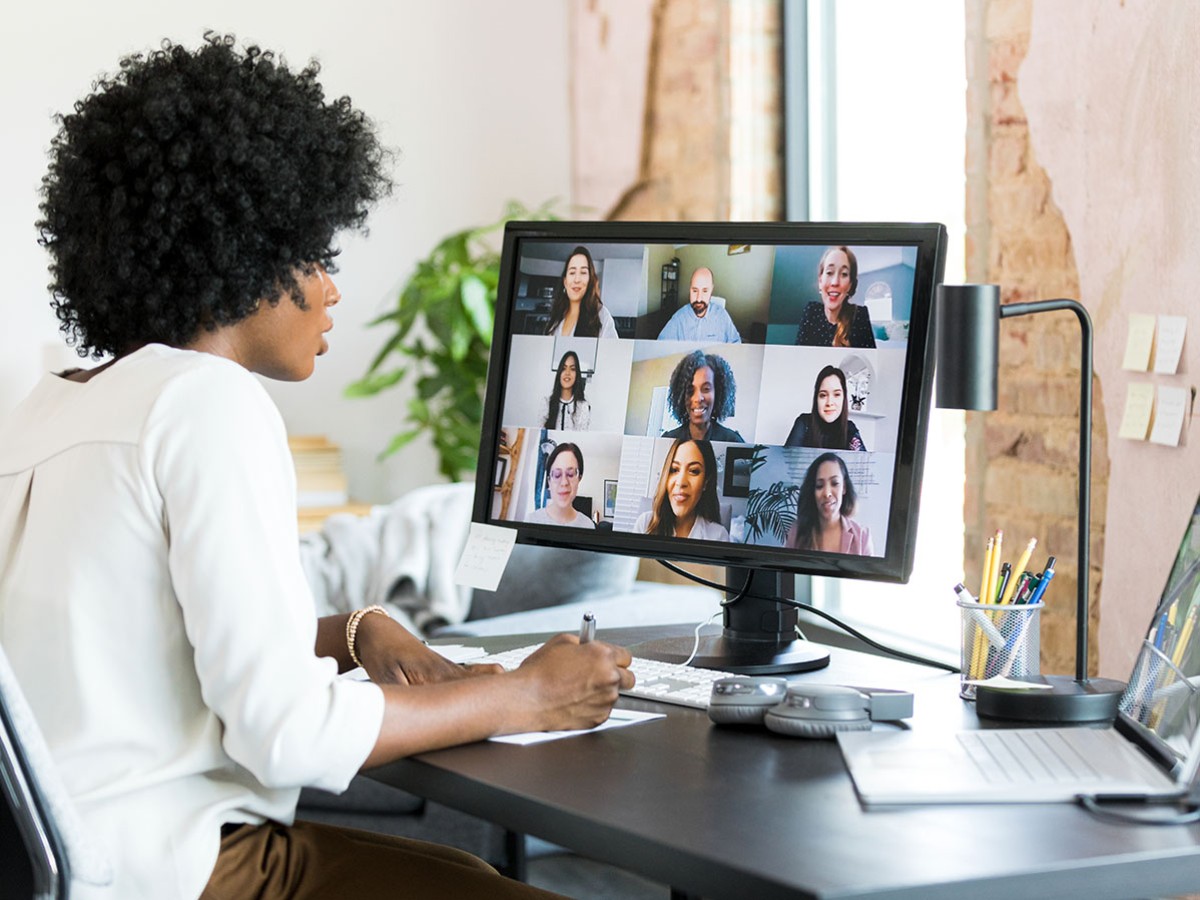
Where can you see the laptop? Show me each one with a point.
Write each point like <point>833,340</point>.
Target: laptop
<point>1151,751</point>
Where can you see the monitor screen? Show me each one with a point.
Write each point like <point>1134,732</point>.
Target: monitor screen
<point>753,395</point>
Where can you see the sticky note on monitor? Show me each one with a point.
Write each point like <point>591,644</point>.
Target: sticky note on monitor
<point>1170,410</point>
<point>1168,345</point>
<point>1140,344</point>
<point>485,556</point>
<point>1139,411</point>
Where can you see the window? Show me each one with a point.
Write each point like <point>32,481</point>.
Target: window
<point>876,131</point>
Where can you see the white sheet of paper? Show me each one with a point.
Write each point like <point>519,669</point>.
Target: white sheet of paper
<point>618,719</point>
<point>1168,346</point>
<point>1170,409</point>
<point>1140,343</point>
<point>485,556</point>
<point>457,652</point>
<point>1139,410</point>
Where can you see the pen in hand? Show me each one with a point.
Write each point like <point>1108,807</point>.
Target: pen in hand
<point>587,628</point>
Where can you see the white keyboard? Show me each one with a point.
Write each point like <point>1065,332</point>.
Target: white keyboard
<point>664,682</point>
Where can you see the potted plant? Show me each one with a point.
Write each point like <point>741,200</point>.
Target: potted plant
<point>441,335</point>
<point>770,510</point>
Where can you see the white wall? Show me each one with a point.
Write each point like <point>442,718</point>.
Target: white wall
<point>474,96</point>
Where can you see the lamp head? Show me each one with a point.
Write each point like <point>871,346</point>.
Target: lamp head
<point>966,337</point>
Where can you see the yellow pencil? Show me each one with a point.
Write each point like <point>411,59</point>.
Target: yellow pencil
<point>1185,636</point>
<point>997,558</point>
<point>987,570</point>
<point>1017,570</point>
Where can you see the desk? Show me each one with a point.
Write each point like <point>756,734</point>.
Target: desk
<point>724,813</point>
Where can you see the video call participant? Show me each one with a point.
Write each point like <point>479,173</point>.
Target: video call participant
<point>700,320</point>
<point>566,408</point>
<point>828,425</point>
<point>685,503</point>
<point>702,391</point>
<point>833,321</point>
<point>154,606</point>
<point>577,310</point>
<point>564,469</point>
<point>827,501</point>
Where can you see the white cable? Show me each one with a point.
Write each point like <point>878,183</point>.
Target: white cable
<point>696,643</point>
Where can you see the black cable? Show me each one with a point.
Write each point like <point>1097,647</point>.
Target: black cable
<point>1150,811</point>
<point>787,601</point>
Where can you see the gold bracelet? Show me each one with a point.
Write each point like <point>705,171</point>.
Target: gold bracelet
<point>352,628</point>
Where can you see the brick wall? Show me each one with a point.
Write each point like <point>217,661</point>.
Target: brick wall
<point>1022,459</point>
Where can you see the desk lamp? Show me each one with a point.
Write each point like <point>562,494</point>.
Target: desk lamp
<point>967,340</point>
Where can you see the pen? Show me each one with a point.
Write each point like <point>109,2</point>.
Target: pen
<point>1018,571</point>
<point>1043,582</point>
<point>1006,574</point>
<point>587,628</point>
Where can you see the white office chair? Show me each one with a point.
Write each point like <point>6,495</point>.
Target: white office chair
<point>58,845</point>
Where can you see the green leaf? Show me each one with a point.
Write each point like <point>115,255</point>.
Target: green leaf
<point>372,384</point>
<point>480,309</point>
<point>401,440</point>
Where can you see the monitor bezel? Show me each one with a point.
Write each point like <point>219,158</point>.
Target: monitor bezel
<point>895,565</point>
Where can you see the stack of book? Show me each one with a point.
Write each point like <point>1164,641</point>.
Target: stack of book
<point>321,485</point>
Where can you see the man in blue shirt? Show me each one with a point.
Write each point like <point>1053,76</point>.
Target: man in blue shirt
<point>700,320</point>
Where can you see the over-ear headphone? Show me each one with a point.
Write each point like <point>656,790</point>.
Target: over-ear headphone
<point>819,711</point>
<point>804,710</point>
<point>743,700</point>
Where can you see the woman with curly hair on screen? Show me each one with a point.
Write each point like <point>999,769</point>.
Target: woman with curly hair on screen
<point>685,503</point>
<point>154,607</point>
<point>827,501</point>
<point>702,391</point>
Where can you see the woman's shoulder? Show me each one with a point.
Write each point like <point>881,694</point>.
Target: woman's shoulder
<point>642,521</point>
<point>709,531</point>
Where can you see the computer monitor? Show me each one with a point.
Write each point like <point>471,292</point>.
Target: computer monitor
<point>752,395</point>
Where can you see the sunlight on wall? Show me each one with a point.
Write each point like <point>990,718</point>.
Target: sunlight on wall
<point>900,107</point>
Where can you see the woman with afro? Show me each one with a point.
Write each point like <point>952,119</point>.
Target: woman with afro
<point>154,606</point>
<point>701,393</point>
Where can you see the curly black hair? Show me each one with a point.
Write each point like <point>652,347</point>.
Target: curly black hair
<point>724,385</point>
<point>192,184</point>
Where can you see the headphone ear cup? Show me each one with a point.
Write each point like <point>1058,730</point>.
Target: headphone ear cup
<point>736,715</point>
<point>811,728</point>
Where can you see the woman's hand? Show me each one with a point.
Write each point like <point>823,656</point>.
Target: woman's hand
<point>576,684</point>
<point>392,654</point>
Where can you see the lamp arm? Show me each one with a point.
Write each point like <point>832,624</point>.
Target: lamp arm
<point>1083,576</point>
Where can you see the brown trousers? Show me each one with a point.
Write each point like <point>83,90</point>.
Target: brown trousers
<point>308,860</point>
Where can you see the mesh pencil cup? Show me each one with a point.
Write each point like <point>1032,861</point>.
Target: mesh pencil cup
<point>998,639</point>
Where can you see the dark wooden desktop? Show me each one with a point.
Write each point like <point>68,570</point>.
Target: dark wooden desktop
<point>734,813</point>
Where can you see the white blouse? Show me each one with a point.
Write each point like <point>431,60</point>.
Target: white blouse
<point>608,326</point>
<point>156,614</point>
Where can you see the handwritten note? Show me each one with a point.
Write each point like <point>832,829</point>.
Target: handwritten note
<point>1169,412</point>
<point>485,556</point>
<point>1169,344</point>
<point>1139,410</point>
<point>1140,343</point>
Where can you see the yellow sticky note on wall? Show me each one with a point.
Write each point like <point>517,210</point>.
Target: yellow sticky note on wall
<point>1139,411</point>
<point>1140,344</point>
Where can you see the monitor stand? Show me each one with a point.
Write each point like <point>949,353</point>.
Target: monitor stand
<point>759,637</point>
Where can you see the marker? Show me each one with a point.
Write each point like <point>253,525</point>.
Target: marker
<point>1019,569</point>
<point>990,631</point>
<point>587,628</point>
<point>1006,572</point>
<point>1043,582</point>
